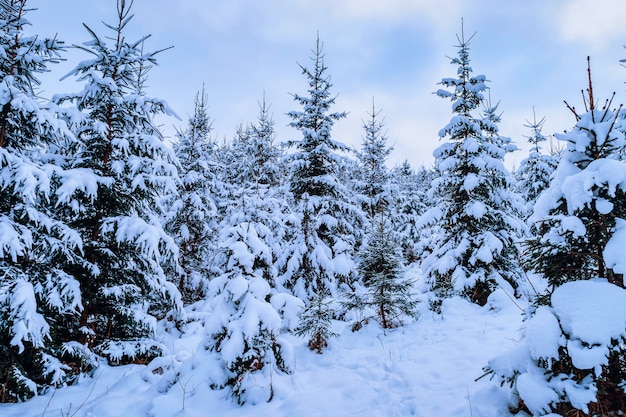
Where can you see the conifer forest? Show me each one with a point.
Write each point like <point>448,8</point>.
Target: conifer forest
<point>146,274</point>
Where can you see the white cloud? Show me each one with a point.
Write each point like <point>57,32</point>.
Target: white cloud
<point>386,11</point>
<point>533,51</point>
<point>596,24</point>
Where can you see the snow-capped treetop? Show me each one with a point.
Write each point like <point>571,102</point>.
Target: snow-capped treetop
<point>467,89</point>
<point>373,174</point>
<point>316,159</point>
<point>536,137</point>
<point>191,213</point>
<point>590,159</point>
<point>255,154</point>
<point>536,170</point>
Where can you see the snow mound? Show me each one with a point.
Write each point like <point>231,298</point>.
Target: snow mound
<point>585,323</point>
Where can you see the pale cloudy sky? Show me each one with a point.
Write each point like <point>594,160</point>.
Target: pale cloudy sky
<point>533,52</point>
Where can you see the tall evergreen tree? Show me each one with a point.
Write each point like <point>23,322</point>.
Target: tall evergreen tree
<point>579,212</point>
<point>243,326</point>
<point>257,196</point>
<point>582,229</point>
<point>192,214</point>
<point>373,176</point>
<point>505,196</point>
<point>476,248</point>
<point>39,300</point>
<point>534,173</point>
<point>319,259</point>
<point>130,166</point>
<point>410,199</point>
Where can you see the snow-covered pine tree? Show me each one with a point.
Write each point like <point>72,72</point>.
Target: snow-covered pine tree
<point>579,212</point>
<point>192,214</point>
<point>534,172</point>
<point>39,300</point>
<point>244,326</point>
<point>490,122</point>
<point>320,255</point>
<point>571,359</point>
<point>254,181</point>
<point>380,262</point>
<point>372,179</point>
<point>256,192</point>
<point>478,228</point>
<point>410,199</point>
<point>504,195</point>
<point>129,166</point>
<point>387,294</point>
<point>256,156</point>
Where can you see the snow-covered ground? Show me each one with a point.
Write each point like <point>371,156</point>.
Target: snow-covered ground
<point>426,368</point>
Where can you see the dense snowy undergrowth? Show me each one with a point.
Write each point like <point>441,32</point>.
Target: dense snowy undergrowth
<point>425,368</point>
<point>429,367</point>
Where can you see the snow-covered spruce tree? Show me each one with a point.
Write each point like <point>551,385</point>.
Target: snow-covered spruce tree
<point>39,301</point>
<point>571,359</point>
<point>191,213</point>
<point>255,155</point>
<point>476,250</point>
<point>254,182</point>
<point>534,172</point>
<point>490,125</point>
<point>577,215</point>
<point>380,261</point>
<point>243,326</point>
<point>319,256</point>
<point>256,194</point>
<point>372,182</point>
<point>387,295</point>
<point>129,166</point>
<point>410,199</point>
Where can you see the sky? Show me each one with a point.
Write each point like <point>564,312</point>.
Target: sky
<point>396,52</point>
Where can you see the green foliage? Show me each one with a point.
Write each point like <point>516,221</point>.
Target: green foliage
<point>474,210</point>
<point>191,212</point>
<point>319,258</point>
<point>372,182</point>
<point>576,219</point>
<point>315,165</point>
<point>386,293</point>
<point>316,322</point>
<point>128,168</point>
<point>38,298</point>
<point>573,229</point>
